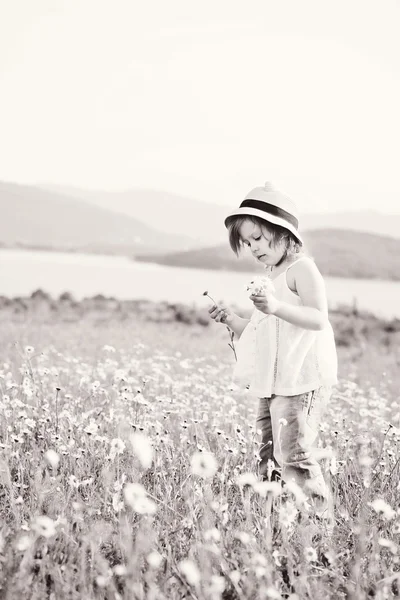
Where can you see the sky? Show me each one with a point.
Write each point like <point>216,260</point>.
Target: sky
<point>205,99</point>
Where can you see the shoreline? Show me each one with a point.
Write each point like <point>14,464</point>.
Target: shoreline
<point>131,255</point>
<point>352,327</point>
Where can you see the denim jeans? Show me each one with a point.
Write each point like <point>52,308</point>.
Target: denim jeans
<point>289,432</point>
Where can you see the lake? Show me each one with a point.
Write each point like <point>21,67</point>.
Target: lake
<point>24,271</point>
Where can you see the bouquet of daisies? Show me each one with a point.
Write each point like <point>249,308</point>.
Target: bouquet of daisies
<point>260,285</point>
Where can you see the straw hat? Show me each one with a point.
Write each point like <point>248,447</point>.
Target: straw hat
<point>271,205</point>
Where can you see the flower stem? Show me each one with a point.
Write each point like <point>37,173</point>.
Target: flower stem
<point>231,333</point>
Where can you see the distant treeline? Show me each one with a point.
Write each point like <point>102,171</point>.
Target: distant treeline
<point>337,253</point>
<point>353,328</point>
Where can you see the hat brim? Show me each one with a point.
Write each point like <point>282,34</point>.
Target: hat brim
<point>255,212</point>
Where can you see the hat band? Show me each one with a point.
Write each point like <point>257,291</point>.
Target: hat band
<point>272,210</point>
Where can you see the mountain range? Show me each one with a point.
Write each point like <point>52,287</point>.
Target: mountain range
<point>36,217</point>
<point>172,229</point>
<point>203,221</point>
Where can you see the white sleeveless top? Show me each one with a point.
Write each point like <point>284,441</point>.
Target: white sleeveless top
<point>275,357</point>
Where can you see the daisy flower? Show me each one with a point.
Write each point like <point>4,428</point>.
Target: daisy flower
<point>204,465</point>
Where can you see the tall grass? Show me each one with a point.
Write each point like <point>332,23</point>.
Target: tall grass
<point>74,393</point>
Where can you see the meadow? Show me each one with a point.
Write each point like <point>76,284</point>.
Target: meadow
<point>128,459</point>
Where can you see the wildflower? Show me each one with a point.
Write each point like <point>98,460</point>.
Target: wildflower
<point>120,375</point>
<point>145,506</point>
<point>216,586</point>
<point>276,556</point>
<point>272,593</point>
<point>86,482</point>
<point>23,543</point>
<point>364,460</point>
<point>231,333</point>
<point>95,386</point>
<point>260,285</point>
<point>246,479</point>
<point>259,559</point>
<point>260,571</point>
<point>263,488</point>
<point>204,465</point>
<point>27,387</point>
<point>310,554</point>
<point>92,428</point>
<point>235,576</point>
<point>383,508</point>
<point>292,487</point>
<point>283,422</point>
<point>212,535</point>
<point>330,556</point>
<point>187,523</point>
<point>142,448</point>
<point>102,581</point>
<point>218,507</point>
<point>120,570</point>
<point>287,514</point>
<point>133,491</point>
<point>243,537</point>
<point>44,526</point>
<point>154,559</point>
<point>52,458</point>
<point>73,481</point>
<point>29,350</point>
<point>385,543</point>
<point>396,527</point>
<point>78,507</point>
<point>117,447</point>
<point>189,569</point>
<point>136,497</point>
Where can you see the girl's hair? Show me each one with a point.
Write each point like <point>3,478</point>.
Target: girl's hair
<point>279,234</point>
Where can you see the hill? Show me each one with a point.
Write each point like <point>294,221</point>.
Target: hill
<point>204,221</point>
<point>367,221</point>
<point>34,217</point>
<point>337,253</point>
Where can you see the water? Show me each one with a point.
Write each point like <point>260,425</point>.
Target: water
<point>24,271</point>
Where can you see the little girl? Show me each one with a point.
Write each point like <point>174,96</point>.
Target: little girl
<point>286,352</point>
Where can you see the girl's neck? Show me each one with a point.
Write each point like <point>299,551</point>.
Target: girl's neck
<point>274,271</point>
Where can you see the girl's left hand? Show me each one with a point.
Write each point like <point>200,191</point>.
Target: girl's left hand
<point>266,303</point>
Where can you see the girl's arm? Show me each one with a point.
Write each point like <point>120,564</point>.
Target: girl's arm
<point>310,287</point>
<point>237,324</point>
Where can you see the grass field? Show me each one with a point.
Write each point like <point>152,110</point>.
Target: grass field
<point>122,451</point>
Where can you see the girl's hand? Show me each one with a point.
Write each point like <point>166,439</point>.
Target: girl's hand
<point>266,303</point>
<point>221,314</point>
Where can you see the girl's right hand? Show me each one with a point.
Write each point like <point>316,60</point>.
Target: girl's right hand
<point>221,314</point>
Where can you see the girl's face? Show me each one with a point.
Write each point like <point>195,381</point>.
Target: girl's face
<point>259,241</point>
